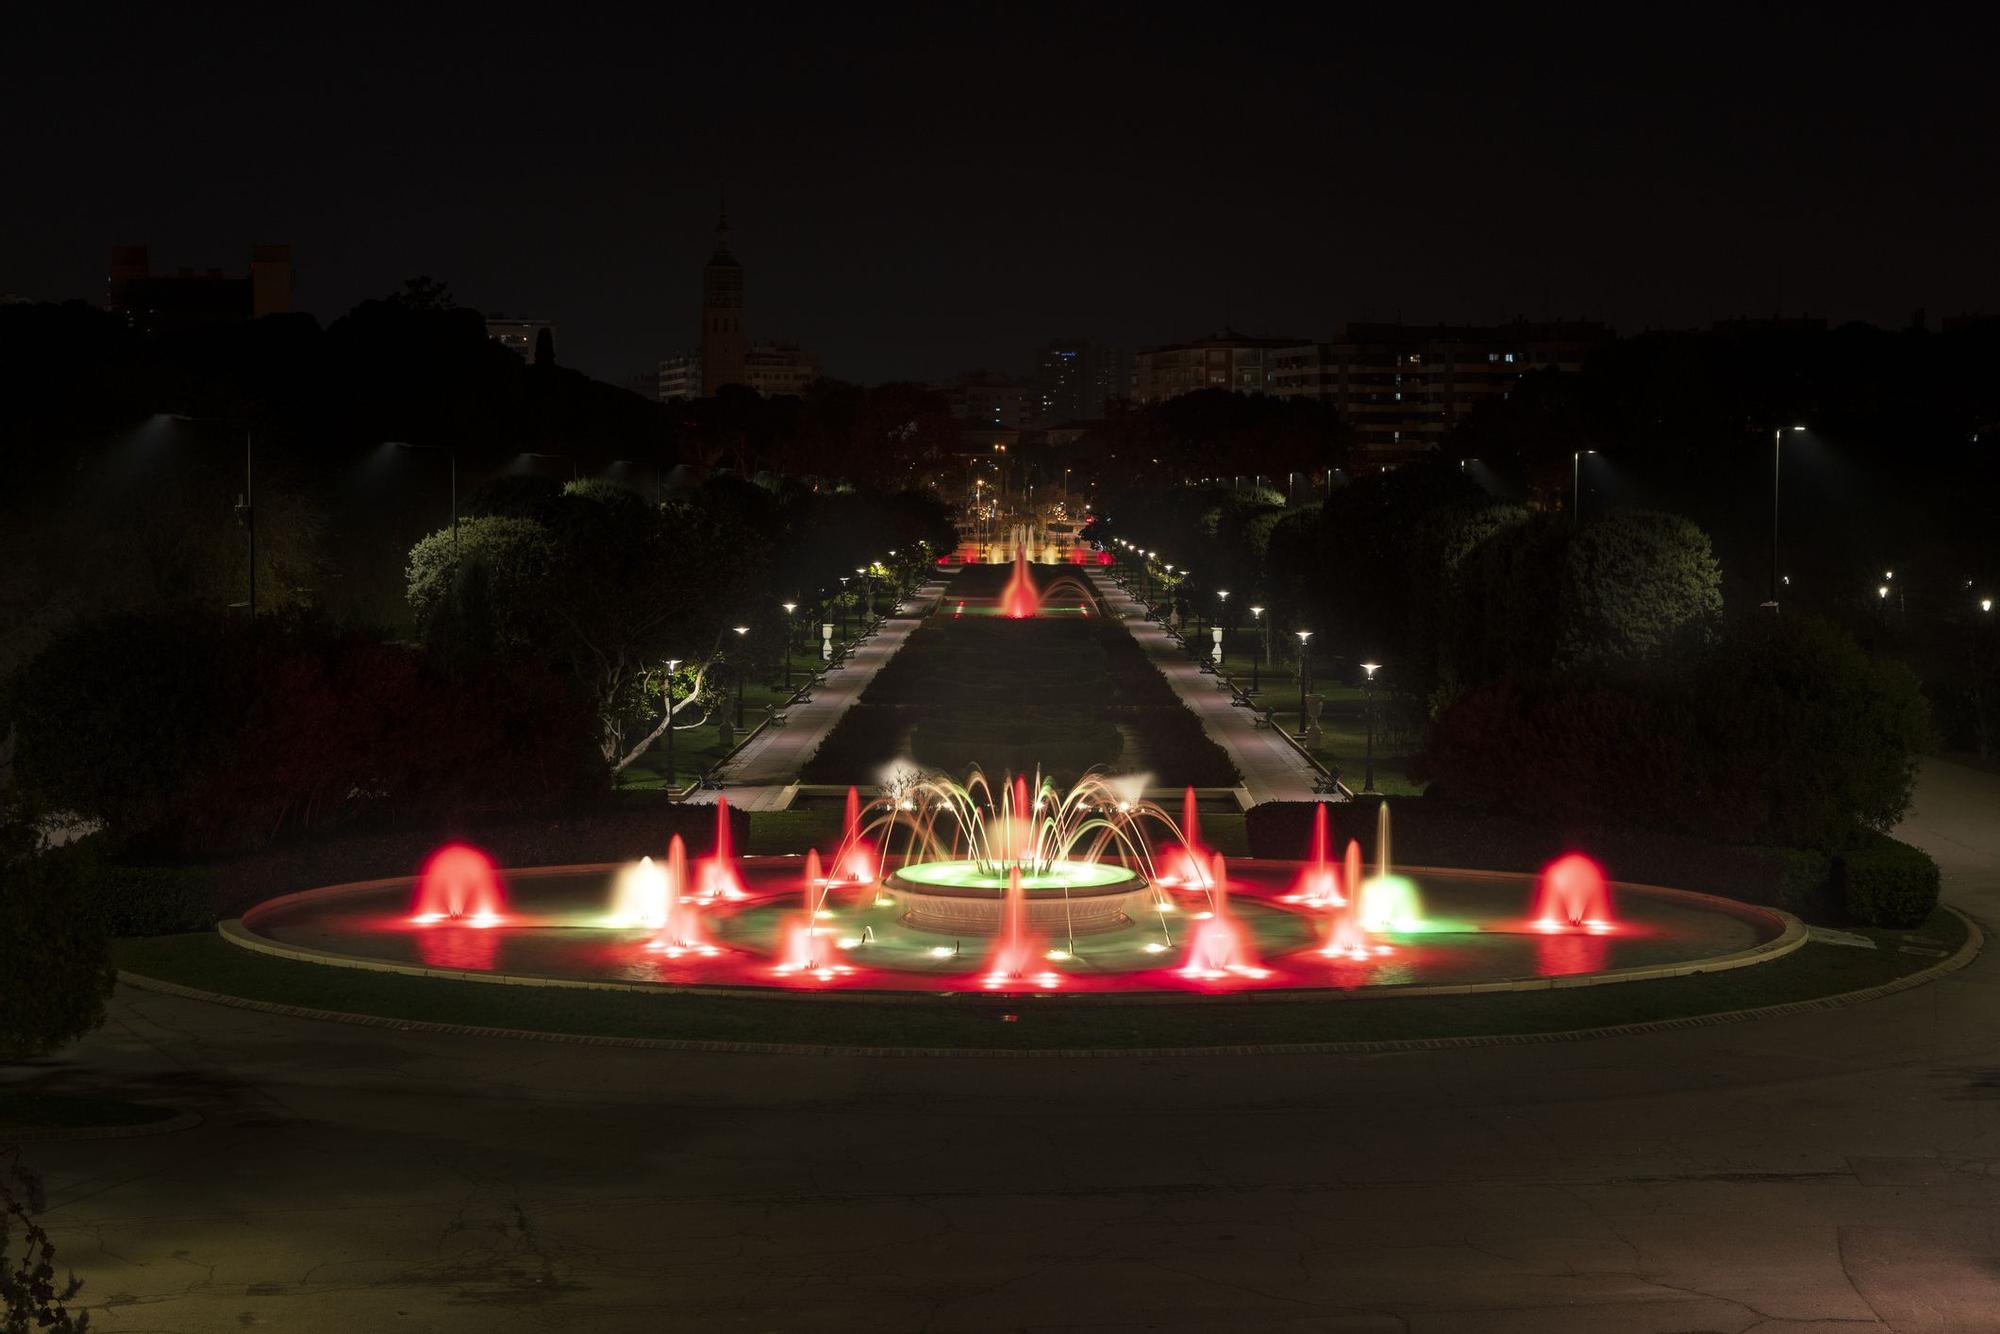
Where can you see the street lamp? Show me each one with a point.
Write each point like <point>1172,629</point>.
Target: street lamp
<point>842,600</point>
<point>1261,631</point>
<point>1777,456</point>
<point>452,455</point>
<point>1368,708</point>
<point>789,607</point>
<point>1305,678</point>
<point>1576,485</point>
<point>1222,641</point>
<point>741,632</point>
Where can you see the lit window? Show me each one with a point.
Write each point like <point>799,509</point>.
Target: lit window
<point>1510,356</point>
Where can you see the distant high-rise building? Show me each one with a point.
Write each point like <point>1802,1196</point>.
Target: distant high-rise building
<point>779,370</point>
<point>724,340</point>
<point>163,303</point>
<point>1075,378</point>
<point>680,377</point>
<point>993,400</point>
<point>1401,387</point>
<point>518,335</point>
<point>1228,360</point>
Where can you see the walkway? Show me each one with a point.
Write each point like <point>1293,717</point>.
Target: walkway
<point>1272,769</point>
<point>758,777</point>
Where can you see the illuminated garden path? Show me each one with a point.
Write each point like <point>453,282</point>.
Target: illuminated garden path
<point>1272,769</point>
<point>756,777</point>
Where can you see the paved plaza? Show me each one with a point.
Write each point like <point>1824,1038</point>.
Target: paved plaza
<point>1834,1170</point>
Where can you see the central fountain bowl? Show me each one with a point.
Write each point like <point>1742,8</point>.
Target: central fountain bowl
<point>965,898</point>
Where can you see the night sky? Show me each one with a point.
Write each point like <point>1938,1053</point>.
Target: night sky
<point>919,193</point>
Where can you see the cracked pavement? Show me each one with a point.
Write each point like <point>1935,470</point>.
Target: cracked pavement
<point>1835,1171</point>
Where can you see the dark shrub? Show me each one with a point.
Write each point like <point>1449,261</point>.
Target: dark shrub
<point>1888,883</point>
<point>55,961</point>
<point>150,900</point>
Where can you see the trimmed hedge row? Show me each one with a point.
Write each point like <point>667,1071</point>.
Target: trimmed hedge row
<point>1886,883</point>
<point>155,900</point>
<point>1424,832</point>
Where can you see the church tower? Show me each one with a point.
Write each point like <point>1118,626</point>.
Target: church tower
<point>723,340</point>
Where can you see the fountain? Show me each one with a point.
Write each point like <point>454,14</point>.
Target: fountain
<point>719,879</point>
<point>459,884</point>
<point>1019,599</point>
<point>855,862</point>
<point>1219,945</point>
<point>1389,902</point>
<point>681,931</point>
<point>1012,885</point>
<point>1571,893</point>
<point>1319,884</point>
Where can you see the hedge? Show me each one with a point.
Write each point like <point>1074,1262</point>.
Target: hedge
<point>1887,883</point>
<point>1426,832</point>
<point>151,900</point>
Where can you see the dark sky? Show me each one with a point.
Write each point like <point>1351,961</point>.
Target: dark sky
<point>918,192</point>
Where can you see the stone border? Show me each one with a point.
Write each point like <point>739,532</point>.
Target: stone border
<point>1791,935</point>
<point>1975,940</point>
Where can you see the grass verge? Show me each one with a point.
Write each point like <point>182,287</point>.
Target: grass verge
<point>207,962</point>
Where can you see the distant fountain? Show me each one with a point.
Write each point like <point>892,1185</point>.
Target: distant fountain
<point>1020,599</point>
<point>459,884</point>
<point>1190,866</point>
<point>1572,893</point>
<point>719,878</point>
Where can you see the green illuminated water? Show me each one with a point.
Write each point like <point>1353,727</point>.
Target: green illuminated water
<point>1058,875</point>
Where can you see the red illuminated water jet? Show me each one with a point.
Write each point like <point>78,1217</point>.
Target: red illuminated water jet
<point>719,879</point>
<point>459,884</point>
<point>808,941</point>
<point>1019,599</point>
<point>1345,936</point>
<point>1319,883</point>
<point>1219,946</point>
<point>1188,867</point>
<point>683,932</point>
<point>1016,955</point>
<point>855,862</point>
<point>1572,893</point>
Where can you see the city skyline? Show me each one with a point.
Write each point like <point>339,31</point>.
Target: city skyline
<point>906,230</point>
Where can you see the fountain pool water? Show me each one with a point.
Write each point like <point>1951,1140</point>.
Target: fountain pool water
<point>1015,885</point>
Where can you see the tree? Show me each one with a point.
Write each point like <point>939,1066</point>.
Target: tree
<point>1633,583</point>
<point>55,963</point>
<point>545,347</point>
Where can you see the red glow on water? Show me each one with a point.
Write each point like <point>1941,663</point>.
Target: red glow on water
<point>459,884</point>
<point>1016,955</point>
<point>684,932</point>
<point>1319,883</point>
<point>1220,948</point>
<point>1572,894</point>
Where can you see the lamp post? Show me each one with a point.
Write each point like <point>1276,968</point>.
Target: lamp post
<point>1257,621</point>
<point>1368,708</point>
<point>1777,456</point>
<point>742,631</point>
<point>842,601</point>
<point>672,665</point>
<point>1305,677</point>
<point>789,607</point>
<point>1576,485</point>
<point>452,455</point>
<point>246,511</point>
<point>864,595</point>
<point>1221,618</point>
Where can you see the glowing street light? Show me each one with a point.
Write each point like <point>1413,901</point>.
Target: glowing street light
<point>1263,632</point>
<point>741,632</point>
<point>1777,454</point>
<point>1576,485</point>
<point>789,607</point>
<point>1368,708</point>
<point>1305,677</point>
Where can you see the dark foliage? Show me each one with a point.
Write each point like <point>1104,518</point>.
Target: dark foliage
<point>1887,883</point>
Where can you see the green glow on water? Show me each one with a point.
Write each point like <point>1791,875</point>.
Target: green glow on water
<point>970,875</point>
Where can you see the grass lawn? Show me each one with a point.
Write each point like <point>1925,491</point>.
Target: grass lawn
<point>33,1109</point>
<point>1343,724</point>
<point>207,962</point>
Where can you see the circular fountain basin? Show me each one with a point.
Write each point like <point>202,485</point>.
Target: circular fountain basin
<point>962,898</point>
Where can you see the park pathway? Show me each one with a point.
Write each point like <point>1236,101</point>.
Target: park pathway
<point>759,776</point>
<point>1272,768</point>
